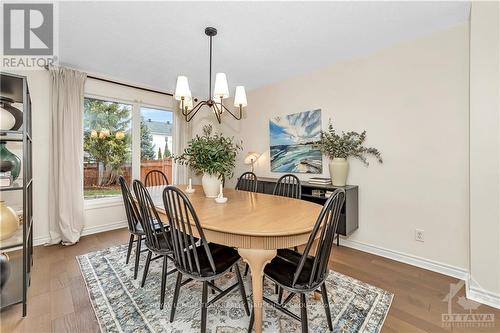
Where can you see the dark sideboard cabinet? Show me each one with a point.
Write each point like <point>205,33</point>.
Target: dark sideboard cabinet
<point>349,216</point>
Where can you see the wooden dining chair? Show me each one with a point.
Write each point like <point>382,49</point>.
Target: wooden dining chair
<point>302,273</point>
<point>134,226</point>
<point>247,182</point>
<point>157,236</point>
<point>155,178</point>
<point>288,186</point>
<point>196,258</point>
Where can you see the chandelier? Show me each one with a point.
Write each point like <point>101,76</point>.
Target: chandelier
<point>216,97</point>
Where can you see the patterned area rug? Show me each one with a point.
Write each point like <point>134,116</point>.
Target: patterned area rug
<point>121,305</point>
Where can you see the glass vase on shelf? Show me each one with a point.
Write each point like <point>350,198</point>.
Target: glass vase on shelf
<point>9,161</point>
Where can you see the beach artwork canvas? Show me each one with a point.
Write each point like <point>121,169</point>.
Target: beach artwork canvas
<point>292,139</point>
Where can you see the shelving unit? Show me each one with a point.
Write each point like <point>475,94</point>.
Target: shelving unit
<point>20,245</point>
<point>349,214</point>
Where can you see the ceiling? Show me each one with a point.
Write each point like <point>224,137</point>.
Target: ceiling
<point>258,43</point>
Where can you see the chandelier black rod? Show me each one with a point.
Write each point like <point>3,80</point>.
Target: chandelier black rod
<point>210,72</point>
<point>189,115</point>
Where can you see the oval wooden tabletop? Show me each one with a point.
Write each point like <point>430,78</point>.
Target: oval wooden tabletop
<point>249,214</point>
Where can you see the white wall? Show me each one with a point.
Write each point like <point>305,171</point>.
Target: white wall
<point>413,101</point>
<point>485,153</point>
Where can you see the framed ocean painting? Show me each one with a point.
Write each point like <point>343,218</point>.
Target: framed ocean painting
<point>291,139</point>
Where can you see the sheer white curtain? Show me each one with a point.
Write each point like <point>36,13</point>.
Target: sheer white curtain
<point>66,155</point>
<point>182,135</point>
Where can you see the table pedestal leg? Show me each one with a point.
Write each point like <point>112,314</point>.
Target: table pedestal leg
<point>257,260</point>
<point>314,250</point>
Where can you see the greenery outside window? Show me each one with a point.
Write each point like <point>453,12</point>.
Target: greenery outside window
<point>107,143</point>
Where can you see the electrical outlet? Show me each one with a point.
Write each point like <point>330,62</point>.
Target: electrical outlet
<point>419,235</point>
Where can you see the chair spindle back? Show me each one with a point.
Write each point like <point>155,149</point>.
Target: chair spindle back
<point>155,178</point>
<point>326,224</point>
<point>156,233</point>
<point>182,218</point>
<point>247,182</point>
<point>288,186</point>
<point>133,216</point>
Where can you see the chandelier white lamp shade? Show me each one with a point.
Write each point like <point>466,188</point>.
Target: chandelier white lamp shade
<point>216,95</point>
<point>240,97</point>
<point>182,88</point>
<point>221,89</point>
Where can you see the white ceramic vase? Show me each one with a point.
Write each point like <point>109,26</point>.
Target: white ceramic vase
<point>339,169</point>
<point>210,184</point>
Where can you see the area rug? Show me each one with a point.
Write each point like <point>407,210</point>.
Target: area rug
<point>121,305</point>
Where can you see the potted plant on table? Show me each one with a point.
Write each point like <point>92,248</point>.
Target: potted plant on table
<point>339,147</point>
<point>212,155</point>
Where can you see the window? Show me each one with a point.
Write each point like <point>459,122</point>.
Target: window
<point>107,141</point>
<point>156,141</point>
<point>123,139</point>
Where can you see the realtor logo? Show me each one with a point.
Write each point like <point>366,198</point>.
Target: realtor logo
<point>28,29</point>
<point>464,319</point>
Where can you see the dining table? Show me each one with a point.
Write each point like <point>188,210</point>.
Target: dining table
<point>256,224</point>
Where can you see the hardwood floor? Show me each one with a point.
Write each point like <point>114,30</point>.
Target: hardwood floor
<point>59,302</point>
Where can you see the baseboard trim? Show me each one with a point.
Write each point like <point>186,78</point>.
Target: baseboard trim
<point>483,296</point>
<point>104,227</point>
<point>430,265</point>
<point>41,240</point>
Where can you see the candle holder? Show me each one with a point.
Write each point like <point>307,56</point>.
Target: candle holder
<point>190,188</point>
<point>220,198</point>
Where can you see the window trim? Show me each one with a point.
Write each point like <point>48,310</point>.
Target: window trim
<point>98,203</point>
<point>110,99</point>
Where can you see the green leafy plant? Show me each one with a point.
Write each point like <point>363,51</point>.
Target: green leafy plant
<point>347,144</point>
<point>210,153</point>
<point>147,146</point>
<point>166,151</point>
<point>102,121</point>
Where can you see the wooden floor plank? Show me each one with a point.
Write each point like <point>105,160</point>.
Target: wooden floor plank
<point>61,302</point>
<point>39,324</point>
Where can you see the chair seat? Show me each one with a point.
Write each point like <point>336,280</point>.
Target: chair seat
<point>164,244</point>
<point>283,267</point>
<point>224,257</point>
<point>140,230</point>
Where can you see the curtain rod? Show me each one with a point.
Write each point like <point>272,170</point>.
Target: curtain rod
<point>129,85</point>
<point>124,84</point>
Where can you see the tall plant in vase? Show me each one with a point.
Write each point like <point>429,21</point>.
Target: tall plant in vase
<point>339,147</point>
<point>212,155</point>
